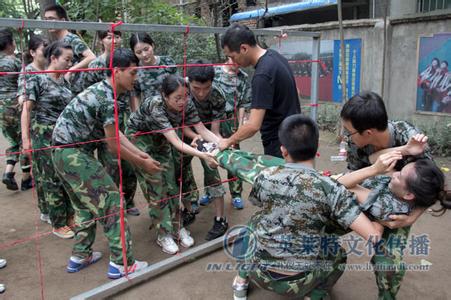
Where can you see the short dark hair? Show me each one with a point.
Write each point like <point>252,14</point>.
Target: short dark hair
<point>122,58</point>
<point>34,43</point>
<point>60,11</point>
<point>428,184</point>
<point>236,35</point>
<point>365,111</point>
<point>104,33</point>
<point>6,38</point>
<point>171,83</point>
<point>140,37</point>
<point>199,72</point>
<point>300,136</point>
<point>55,49</point>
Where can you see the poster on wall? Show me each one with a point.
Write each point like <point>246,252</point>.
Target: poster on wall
<point>353,56</point>
<point>299,55</point>
<point>434,77</point>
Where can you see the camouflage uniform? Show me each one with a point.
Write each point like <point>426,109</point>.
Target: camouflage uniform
<point>246,165</point>
<point>10,112</point>
<point>37,173</point>
<point>388,282</point>
<point>108,159</point>
<point>400,133</point>
<point>238,95</point>
<point>381,202</point>
<point>50,97</point>
<point>148,83</point>
<point>94,193</point>
<point>161,190</point>
<point>78,46</point>
<point>297,204</point>
<point>211,109</point>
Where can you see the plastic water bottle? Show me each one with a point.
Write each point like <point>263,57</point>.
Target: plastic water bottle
<point>342,153</point>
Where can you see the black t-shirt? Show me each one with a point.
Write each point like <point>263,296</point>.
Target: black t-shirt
<point>274,89</point>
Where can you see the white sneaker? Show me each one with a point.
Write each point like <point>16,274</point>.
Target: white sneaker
<point>2,288</point>
<point>185,239</point>
<point>45,218</point>
<point>2,263</point>
<point>167,243</point>
<point>116,271</point>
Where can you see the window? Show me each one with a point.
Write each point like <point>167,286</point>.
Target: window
<point>431,5</point>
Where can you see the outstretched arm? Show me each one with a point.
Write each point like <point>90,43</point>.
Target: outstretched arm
<point>416,146</point>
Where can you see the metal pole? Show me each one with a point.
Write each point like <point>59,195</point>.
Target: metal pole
<point>153,270</point>
<point>94,26</point>
<point>342,53</point>
<point>314,78</point>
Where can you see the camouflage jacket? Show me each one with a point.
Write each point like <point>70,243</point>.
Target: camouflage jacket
<point>400,133</point>
<point>85,117</point>
<point>149,80</point>
<point>381,202</point>
<point>23,79</point>
<point>297,205</point>
<point>213,107</point>
<point>78,46</point>
<point>8,83</point>
<point>50,97</point>
<point>153,114</point>
<point>235,87</point>
<point>91,77</point>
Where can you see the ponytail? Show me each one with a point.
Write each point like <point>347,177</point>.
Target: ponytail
<point>445,201</point>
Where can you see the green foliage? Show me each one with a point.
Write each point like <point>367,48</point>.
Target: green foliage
<point>147,12</point>
<point>10,9</point>
<point>328,115</point>
<point>439,134</point>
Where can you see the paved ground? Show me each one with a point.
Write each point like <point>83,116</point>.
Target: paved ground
<point>19,223</point>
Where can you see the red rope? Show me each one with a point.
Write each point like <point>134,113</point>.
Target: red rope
<point>118,149</point>
<point>35,198</point>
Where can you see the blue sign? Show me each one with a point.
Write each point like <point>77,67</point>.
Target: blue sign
<point>353,55</point>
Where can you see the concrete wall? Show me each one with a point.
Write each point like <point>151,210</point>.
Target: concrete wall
<point>398,84</point>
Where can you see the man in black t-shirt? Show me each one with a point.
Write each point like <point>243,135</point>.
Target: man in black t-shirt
<point>274,93</point>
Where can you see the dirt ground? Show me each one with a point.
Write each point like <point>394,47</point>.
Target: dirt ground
<point>20,225</point>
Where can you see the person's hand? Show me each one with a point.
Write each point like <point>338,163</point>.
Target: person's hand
<point>194,142</point>
<point>417,144</point>
<point>223,144</point>
<point>151,166</point>
<point>144,155</point>
<point>210,159</point>
<point>386,162</point>
<point>399,221</point>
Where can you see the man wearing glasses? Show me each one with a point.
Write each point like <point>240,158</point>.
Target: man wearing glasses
<point>369,134</point>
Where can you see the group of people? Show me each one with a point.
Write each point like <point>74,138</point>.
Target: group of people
<point>84,129</point>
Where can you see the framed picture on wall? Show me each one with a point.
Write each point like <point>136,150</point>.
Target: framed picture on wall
<point>434,77</point>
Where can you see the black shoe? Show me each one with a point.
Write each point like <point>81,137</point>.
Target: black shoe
<point>8,179</point>
<point>219,228</point>
<point>187,217</point>
<point>26,184</point>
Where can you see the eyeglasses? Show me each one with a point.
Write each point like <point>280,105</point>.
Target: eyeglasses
<point>348,134</point>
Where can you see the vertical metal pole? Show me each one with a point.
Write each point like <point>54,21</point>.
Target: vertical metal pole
<point>342,54</point>
<point>314,78</point>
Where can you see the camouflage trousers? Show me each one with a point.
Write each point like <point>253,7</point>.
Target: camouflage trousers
<point>212,181</point>
<point>315,283</point>
<point>161,190</point>
<point>390,257</point>
<point>190,192</point>
<point>94,196</point>
<point>246,165</point>
<point>10,126</point>
<point>129,180</point>
<point>37,179</point>
<point>227,129</point>
<point>48,182</point>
